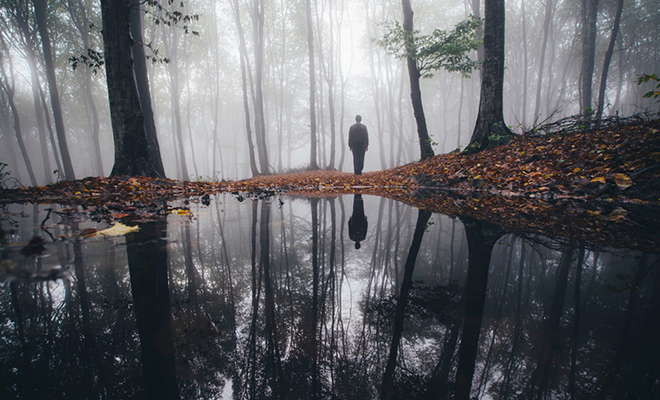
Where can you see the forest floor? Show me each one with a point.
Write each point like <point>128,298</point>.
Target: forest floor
<point>567,183</point>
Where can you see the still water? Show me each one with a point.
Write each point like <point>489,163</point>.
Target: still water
<point>338,298</point>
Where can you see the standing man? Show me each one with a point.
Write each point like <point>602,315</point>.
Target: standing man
<point>358,142</point>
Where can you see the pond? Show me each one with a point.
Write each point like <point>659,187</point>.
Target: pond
<point>339,297</point>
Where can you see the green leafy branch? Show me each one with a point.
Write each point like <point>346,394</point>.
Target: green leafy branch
<point>448,50</point>
<point>648,78</point>
<point>172,18</point>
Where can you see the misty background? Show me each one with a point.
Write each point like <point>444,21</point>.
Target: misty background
<point>197,88</point>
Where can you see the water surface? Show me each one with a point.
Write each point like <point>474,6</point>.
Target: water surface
<point>347,297</point>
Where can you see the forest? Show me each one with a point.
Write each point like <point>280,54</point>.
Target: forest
<point>234,89</point>
<point>183,214</point>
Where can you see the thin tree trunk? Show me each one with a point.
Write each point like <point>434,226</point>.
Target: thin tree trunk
<point>415,91</point>
<point>589,13</point>
<point>36,86</point>
<point>313,163</point>
<point>259,114</point>
<point>608,59</point>
<point>79,18</point>
<point>40,13</point>
<point>175,97</point>
<point>51,134</point>
<point>7,84</point>
<point>549,6</point>
<point>525,64</point>
<point>244,73</point>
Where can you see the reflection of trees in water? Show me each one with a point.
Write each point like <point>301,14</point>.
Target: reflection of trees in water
<point>280,305</point>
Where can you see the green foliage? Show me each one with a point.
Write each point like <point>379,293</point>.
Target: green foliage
<point>438,50</point>
<point>653,93</point>
<point>172,17</point>
<point>94,60</point>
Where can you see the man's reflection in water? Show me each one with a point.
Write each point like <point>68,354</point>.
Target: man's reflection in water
<point>357,223</point>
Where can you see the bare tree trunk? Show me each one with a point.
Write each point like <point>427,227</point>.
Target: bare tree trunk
<point>40,13</point>
<point>49,126</point>
<point>608,59</point>
<point>142,81</point>
<point>525,64</point>
<point>39,112</point>
<point>132,154</point>
<point>244,73</point>
<point>415,91</point>
<point>4,129</point>
<point>549,6</point>
<point>175,97</point>
<point>79,18</point>
<point>216,102</point>
<point>589,13</point>
<point>259,115</point>
<point>313,164</point>
<point>7,84</point>
<point>490,129</point>
<point>21,11</point>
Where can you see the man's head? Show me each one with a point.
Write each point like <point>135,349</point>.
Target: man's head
<point>358,118</point>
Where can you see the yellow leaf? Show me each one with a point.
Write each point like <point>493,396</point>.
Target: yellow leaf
<point>118,229</point>
<point>617,215</point>
<point>622,181</point>
<point>179,211</point>
<point>600,179</point>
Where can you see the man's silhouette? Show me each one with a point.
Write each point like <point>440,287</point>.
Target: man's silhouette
<point>357,223</point>
<point>358,142</point>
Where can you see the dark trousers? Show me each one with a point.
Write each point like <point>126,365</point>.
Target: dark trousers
<point>358,160</point>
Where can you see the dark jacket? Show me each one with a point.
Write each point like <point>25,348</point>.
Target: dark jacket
<point>358,137</point>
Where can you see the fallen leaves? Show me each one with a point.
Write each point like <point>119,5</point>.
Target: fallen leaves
<point>622,181</point>
<point>536,183</point>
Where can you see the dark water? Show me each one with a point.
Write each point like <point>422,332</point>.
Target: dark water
<point>274,299</point>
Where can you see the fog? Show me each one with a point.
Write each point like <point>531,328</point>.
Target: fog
<point>197,88</point>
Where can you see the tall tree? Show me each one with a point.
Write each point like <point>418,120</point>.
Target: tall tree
<point>258,16</point>
<point>142,81</point>
<point>588,15</point>
<point>608,59</point>
<point>549,6</point>
<point>415,91</point>
<point>490,129</point>
<point>130,138</point>
<point>21,15</point>
<point>171,44</point>
<point>80,19</point>
<point>8,86</point>
<point>40,13</point>
<point>313,163</point>
<point>424,54</point>
<point>245,69</point>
